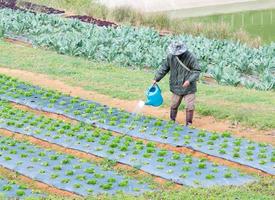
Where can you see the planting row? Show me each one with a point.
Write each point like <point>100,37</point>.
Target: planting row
<point>27,6</point>
<point>176,167</point>
<point>228,62</point>
<point>92,20</point>
<point>243,151</point>
<point>32,7</point>
<point>10,190</point>
<point>39,8</point>
<point>64,171</point>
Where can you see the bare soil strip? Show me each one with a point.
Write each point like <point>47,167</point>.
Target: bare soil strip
<point>39,8</point>
<point>82,155</point>
<point>208,123</point>
<point>182,150</point>
<point>27,6</point>
<point>36,185</point>
<point>17,42</point>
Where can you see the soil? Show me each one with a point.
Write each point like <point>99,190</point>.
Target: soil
<point>92,20</point>
<point>30,7</point>
<point>40,8</point>
<point>83,155</point>
<point>203,122</point>
<point>9,4</point>
<point>182,150</point>
<point>18,42</point>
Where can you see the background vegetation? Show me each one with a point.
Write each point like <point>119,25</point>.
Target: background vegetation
<point>125,15</point>
<point>257,23</point>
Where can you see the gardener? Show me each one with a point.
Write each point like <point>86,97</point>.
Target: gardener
<point>185,71</point>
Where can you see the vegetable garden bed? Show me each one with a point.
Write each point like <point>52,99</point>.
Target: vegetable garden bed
<point>34,8</point>
<point>11,190</point>
<point>252,154</point>
<point>92,20</point>
<point>40,8</point>
<point>30,7</point>
<point>9,4</point>
<point>176,167</point>
<point>227,62</point>
<point>64,171</point>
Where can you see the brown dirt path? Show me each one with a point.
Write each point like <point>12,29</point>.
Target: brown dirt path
<point>18,42</point>
<point>203,122</point>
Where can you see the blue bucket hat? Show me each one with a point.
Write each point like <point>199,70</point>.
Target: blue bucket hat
<point>177,48</point>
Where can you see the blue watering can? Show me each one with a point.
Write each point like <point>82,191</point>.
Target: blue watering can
<point>154,97</point>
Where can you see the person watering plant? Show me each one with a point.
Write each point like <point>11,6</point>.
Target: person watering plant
<point>184,73</point>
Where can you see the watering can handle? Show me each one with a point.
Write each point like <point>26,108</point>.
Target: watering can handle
<point>153,85</point>
<point>156,85</point>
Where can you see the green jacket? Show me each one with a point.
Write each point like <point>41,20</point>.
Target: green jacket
<point>179,74</point>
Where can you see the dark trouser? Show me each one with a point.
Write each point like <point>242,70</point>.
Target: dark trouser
<point>190,106</point>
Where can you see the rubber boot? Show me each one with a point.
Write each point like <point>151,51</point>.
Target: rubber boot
<point>189,117</point>
<point>173,114</point>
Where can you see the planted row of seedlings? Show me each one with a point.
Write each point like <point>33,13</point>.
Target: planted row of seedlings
<point>179,168</point>
<point>9,189</point>
<point>64,171</point>
<point>257,155</point>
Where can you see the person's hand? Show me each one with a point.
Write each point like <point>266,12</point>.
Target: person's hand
<point>154,82</point>
<point>186,84</point>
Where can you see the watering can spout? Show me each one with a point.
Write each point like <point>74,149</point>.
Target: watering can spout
<point>154,97</point>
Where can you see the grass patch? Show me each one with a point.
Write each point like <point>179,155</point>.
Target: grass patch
<point>249,107</point>
<point>262,190</point>
<point>245,192</point>
<point>257,23</point>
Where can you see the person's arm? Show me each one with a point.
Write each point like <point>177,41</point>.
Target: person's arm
<point>162,71</point>
<point>195,71</point>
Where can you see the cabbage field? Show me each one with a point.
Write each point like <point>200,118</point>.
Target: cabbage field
<point>228,62</point>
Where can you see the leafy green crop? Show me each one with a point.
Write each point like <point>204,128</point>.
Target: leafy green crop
<point>1,31</point>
